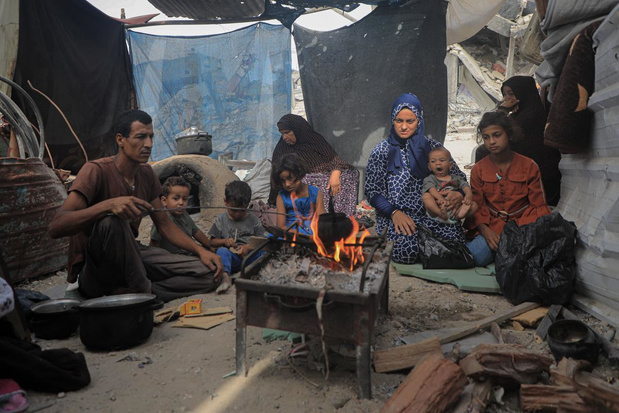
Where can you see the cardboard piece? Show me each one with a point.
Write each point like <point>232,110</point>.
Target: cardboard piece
<point>532,318</point>
<point>204,323</point>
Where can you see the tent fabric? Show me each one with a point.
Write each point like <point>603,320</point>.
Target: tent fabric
<point>77,56</point>
<point>9,27</point>
<point>465,18</point>
<point>235,86</point>
<point>351,76</point>
<point>562,22</point>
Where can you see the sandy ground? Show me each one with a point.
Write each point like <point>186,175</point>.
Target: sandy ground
<point>190,368</point>
<point>189,365</point>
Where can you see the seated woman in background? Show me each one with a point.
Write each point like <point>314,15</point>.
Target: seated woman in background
<point>506,185</point>
<point>326,170</point>
<point>394,179</point>
<point>523,104</point>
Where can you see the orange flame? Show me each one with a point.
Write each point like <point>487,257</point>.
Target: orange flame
<point>353,253</point>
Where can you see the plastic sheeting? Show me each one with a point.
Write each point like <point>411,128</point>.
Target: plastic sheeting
<point>563,21</point>
<point>235,86</point>
<point>351,76</point>
<point>467,17</point>
<point>78,57</point>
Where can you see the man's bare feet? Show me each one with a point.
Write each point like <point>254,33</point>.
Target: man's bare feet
<point>225,284</point>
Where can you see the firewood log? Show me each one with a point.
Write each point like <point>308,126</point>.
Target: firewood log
<point>507,363</point>
<point>434,386</point>
<point>542,398</point>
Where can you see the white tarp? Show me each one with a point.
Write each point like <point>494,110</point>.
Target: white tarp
<point>467,17</point>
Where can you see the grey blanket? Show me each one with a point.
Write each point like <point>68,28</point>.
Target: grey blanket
<point>564,19</point>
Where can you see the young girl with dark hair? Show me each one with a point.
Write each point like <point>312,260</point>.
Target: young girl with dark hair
<point>298,200</point>
<point>507,186</point>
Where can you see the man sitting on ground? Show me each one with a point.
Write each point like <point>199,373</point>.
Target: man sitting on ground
<point>102,215</point>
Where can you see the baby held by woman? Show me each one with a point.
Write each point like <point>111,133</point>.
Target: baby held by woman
<point>437,185</point>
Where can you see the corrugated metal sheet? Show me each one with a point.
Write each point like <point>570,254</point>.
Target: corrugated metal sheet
<point>30,194</point>
<point>210,9</point>
<point>590,189</point>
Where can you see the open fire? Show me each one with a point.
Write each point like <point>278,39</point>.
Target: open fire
<point>348,246</point>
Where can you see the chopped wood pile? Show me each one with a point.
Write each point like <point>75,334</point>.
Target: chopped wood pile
<point>466,383</point>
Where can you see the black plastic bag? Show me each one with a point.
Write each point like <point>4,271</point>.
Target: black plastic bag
<point>438,253</point>
<point>535,262</point>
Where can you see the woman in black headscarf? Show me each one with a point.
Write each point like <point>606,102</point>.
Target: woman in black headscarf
<point>330,173</point>
<point>523,104</point>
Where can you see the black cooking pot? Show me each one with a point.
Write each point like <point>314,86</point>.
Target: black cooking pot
<point>116,322</point>
<point>53,319</point>
<point>333,226</point>
<point>573,339</point>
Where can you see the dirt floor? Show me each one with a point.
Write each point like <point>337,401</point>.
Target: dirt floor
<point>183,369</point>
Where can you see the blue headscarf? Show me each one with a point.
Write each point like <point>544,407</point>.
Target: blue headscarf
<point>417,145</point>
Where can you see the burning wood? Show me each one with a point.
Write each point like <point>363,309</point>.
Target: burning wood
<point>344,247</point>
<point>302,266</point>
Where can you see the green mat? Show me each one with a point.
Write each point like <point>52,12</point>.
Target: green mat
<point>479,279</point>
<point>269,335</point>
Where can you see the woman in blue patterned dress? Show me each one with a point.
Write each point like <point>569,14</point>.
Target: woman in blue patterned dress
<point>394,178</point>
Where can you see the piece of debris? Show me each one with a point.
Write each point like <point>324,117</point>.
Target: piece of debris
<point>487,322</point>
<point>211,311</point>
<point>549,318</point>
<point>143,363</point>
<point>506,363</point>
<point>468,344</point>
<point>497,333</point>
<point>403,357</point>
<point>532,318</point>
<point>204,323</point>
<point>475,397</point>
<point>129,357</point>
<point>435,385</point>
<point>539,397</point>
<point>594,391</point>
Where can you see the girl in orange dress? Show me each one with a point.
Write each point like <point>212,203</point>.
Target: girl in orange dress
<point>506,185</point>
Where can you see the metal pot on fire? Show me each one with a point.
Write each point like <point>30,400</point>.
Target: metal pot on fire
<point>333,226</point>
<point>117,321</point>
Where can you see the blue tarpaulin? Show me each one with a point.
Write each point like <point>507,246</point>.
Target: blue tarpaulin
<point>235,86</point>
